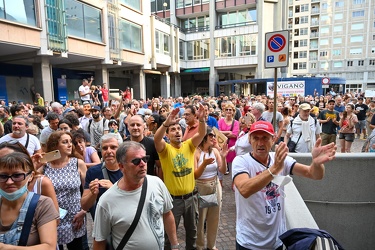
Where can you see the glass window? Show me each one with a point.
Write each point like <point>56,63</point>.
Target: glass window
<point>357,26</point>
<point>304,19</point>
<point>303,31</point>
<point>19,11</point>
<point>303,43</point>
<point>179,3</point>
<point>339,16</point>
<point>324,30</point>
<point>302,65</point>
<point>339,4</point>
<point>323,42</point>
<point>188,2</point>
<point>324,65</point>
<point>336,52</point>
<point>312,65</point>
<point>358,13</point>
<point>112,32</point>
<point>356,39</point>
<point>302,54</point>
<point>131,36</point>
<point>83,20</point>
<point>190,50</point>
<point>166,44</point>
<point>337,40</point>
<point>355,51</point>
<point>182,49</point>
<point>358,1</point>
<point>135,4</point>
<point>304,7</point>
<point>252,15</point>
<point>92,22</point>
<point>337,64</point>
<point>201,21</point>
<point>157,41</point>
<point>242,16</point>
<point>337,28</point>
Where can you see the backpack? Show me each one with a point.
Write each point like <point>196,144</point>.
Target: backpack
<point>88,127</point>
<point>309,238</point>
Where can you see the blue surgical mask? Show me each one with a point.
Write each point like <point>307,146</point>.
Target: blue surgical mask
<point>15,195</point>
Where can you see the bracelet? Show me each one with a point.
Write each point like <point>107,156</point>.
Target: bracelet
<point>273,176</point>
<point>165,125</point>
<point>175,246</point>
<point>201,121</point>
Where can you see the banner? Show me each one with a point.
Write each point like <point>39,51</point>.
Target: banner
<point>61,89</point>
<point>3,90</point>
<point>289,88</point>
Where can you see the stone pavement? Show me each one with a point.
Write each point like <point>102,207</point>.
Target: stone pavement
<point>226,238</point>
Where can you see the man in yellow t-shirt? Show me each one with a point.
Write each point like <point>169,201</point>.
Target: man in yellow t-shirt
<point>39,99</point>
<point>177,162</point>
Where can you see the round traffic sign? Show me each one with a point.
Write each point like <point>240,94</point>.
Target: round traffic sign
<point>325,80</point>
<point>276,43</point>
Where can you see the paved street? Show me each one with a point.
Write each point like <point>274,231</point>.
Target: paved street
<point>227,227</point>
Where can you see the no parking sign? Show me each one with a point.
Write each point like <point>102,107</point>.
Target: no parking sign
<point>277,49</point>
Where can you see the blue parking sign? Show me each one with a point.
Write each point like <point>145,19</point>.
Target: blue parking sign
<point>270,59</point>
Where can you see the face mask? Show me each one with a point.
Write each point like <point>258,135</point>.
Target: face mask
<point>15,195</point>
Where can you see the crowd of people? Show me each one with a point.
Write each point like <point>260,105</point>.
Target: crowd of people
<point>158,158</point>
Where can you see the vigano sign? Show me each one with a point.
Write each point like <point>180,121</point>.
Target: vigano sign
<point>289,88</point>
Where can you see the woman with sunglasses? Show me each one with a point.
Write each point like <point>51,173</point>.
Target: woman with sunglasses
<point>230,128</point>
<point>208,161</point>
<point>67,175</point>
<point>164,110</point>
<point>16,171</point>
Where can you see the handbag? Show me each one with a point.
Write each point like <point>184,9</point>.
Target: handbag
<point>291,144</point>
<point>134,224</point>
<point>209,200</point>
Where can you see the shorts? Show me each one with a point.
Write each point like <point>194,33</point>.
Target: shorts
<point>347,136</point>
<point>360,125</point>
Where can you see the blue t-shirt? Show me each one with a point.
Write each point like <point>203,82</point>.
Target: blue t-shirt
<point>212,122</point>
<point>95,172</point>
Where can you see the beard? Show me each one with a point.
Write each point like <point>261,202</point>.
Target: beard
<point>96,116</point>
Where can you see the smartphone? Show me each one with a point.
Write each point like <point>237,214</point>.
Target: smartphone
<point>248,117</point>
<point>51,156</point>
<point>129,105</point>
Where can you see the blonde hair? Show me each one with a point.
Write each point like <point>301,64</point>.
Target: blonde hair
<point>230,105</point>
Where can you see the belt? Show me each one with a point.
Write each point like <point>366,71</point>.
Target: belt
<point>185,196</point>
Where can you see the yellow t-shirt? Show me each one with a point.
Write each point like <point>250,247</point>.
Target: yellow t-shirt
<point>178,168</point>
<point>41,101</point>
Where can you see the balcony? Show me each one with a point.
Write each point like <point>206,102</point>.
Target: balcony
<point>315,11</point>
<point>314,23</point>
<point>314,34</point>
<point>195,29</point>
<point>226,26</point>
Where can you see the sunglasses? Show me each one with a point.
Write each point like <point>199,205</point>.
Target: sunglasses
<point>212,135</point>
<point>137,161</point>
<point>15,177</point>
<point>229,110</point>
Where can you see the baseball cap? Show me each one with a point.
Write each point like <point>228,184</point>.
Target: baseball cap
<point>360,98</point>
<point>95,108</point>
<point>86,102</point>
<point>305,106</point>
<point>262,126</point>
<point>68,110</point>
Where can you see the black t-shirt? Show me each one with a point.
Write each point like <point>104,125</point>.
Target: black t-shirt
<point>362,108</point>
<point>8,127</point>
<point>151,151</point>
<point>329,127</point>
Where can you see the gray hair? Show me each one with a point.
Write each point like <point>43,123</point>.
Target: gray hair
<point>109,136</point>
<point>56,105</point>
<point>124,148</point>
<point>259,106</point>
<point>27,122</point>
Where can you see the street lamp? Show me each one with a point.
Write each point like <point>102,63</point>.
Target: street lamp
<point>164,8</point>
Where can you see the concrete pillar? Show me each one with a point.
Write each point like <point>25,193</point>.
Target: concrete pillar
<point>101,75</point>
<point>177,85</point>
<point>213,72</point>
<point>165,85</point>
<point>139,84</point>
<point>42,72</point>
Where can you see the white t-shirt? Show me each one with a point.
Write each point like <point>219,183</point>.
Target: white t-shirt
<point>295,129</point>
<point>261,217</point>
<point>116,210</point>
<point>32,146</point>
<point>85,89</point>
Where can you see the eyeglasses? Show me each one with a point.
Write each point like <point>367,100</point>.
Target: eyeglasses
<point>137,161</point>
<point>228,110</point>
<point>15,177</point>
<point>212,135</point>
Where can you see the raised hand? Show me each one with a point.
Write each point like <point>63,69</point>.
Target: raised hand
<point>200,112</point>
<point>281,153</point>
<point>321,154</point>
<point>207,161</point>
<point>172,117</point>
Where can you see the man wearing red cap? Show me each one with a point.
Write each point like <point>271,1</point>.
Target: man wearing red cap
<point>259,200</point>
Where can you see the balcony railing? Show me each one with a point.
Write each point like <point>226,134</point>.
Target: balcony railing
<point>226,26</point>
<point>195,29</point>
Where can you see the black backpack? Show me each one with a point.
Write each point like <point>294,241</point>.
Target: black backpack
<point>88,127</point>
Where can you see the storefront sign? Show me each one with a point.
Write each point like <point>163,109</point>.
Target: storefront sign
<point>290,88</point>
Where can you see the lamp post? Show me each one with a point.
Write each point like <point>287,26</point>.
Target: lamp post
<point>164,9</point>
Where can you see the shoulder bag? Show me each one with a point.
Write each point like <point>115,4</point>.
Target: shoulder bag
<point>28,220</point>
<point>209,200</point>
<point>291,144</point>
